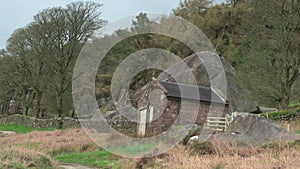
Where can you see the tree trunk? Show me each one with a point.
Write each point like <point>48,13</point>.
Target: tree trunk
<point>286,95</point>
<point>285,102</point>
<point>37,106</point>
<point>6,108</point>
<point>59,105</point>
<point>2,109</point>
<point>25,110</point>
<point>73,113</point>
<point>27,102</point>
<point>60,92</point>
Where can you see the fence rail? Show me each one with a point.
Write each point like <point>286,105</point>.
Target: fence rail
<point>220,123</point>
<point>217,123</point>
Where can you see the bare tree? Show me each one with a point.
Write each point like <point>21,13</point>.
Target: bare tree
<point>67,30</point>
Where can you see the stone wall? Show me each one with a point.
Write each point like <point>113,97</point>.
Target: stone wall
<point>114,119</point>
<point>41,123</point>
<point>120,122</point>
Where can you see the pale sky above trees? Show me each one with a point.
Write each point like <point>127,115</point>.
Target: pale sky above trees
<point>18,13</point>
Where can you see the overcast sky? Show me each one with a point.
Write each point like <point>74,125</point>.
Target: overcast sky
<point>18,13</point>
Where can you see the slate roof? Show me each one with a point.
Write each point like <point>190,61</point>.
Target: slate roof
<point>184,91</point>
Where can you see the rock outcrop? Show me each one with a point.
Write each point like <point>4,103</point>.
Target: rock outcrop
<point>239,99</point>
<point>255,130</point>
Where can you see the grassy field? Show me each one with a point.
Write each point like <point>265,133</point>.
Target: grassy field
<point>47,149</point>
<point>100,159</point>
<point>57,146</point>
<point>20,128</point>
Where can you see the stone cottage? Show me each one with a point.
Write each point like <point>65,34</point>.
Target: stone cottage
<point>160,101</point>
<point>160,105</point>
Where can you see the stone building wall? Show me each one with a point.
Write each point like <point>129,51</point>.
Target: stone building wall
<point>171,114</point>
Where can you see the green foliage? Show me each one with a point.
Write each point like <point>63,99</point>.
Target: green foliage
<point>21,129</point>
<point>260,38</point>
<point>219,166</point>
<point>220,23</point>
<point>99,159</point>
<point>42,55</point>
<point>282,115</point>
<point>278,147</point>
<point>135,149</point>
<point>129,46</point>
<point>272,145</point>
<point>295,144</point>
<point>269,67</point>
<point>294,105</point>
<point>15,127</point>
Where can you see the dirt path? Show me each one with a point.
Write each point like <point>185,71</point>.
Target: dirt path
<point>73,166</point>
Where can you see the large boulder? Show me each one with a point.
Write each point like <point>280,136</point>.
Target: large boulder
<point>255,130</point>
<point>239,99</point>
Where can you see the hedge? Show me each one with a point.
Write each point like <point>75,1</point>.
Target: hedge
<point>283,115</point>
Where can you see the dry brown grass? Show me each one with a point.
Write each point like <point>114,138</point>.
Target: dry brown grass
<point>33,149</point>
<point>277,156</point>
<point>47,143</point>
<point>231,157</point>
<point>52,141</point>
<point>294,125</point>
<point>18,157</point>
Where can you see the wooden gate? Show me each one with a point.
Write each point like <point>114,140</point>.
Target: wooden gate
<point>217,123</point>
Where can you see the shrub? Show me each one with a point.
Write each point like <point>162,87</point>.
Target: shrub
<point>283,115</point>
<point>14,165</point>
<point>100,159</point>
<point>203,148</point>
<point>193,132</point>
<point>19,158</point>
<point>219,166</point>
<point>294,144</point>
<point>293,106</point>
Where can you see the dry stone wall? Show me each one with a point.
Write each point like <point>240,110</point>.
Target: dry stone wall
<point>41,123</point>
